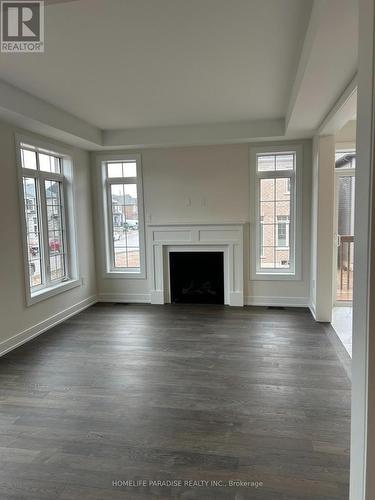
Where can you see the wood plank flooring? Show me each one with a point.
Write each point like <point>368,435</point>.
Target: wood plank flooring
<point>183,393</point>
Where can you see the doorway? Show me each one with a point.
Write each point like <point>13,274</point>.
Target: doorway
<point>344,246</point>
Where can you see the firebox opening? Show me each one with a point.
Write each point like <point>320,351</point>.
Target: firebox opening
<point>197,277</point>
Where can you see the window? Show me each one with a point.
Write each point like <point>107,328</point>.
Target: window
<point>124,208</point>
<point>44,221</point>
<point>274,184</point>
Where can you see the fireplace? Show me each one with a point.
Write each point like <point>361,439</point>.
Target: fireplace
<point>226,239</point>
<point>197,277</point>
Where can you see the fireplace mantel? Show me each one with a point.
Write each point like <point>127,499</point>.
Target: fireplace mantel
<point>164,238</point>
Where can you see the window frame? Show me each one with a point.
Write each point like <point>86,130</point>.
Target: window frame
<point>71,278</point>
<point>295,227</point>
<point>110,271</point>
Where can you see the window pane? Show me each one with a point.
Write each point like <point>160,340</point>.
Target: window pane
<point>132,237</point>
<point>130,194</point>
<point>55,242</point>
<point>118,219</point>
<point>268,235</point>
<point>54,217</point>
<point>55,227</point>
<point>127,257</point>
<point>35,273</point>
<point>28,159</point>
<point>267,189</point>
<point>49,163</point>
<point>131,215</point>
<point>285,161</point>
<point>282,259</point>
<point>45,163</point>
<point>133,257</point>
<point>265,163</point>
<point>267,211</point>
<point>121,257</point>
<point>130,169</point>
<point>33,237</point>
<point>282,208</point>
<point>267,260</point>
<point>56,164</point>
<point>53,193</point>
<point>57,271</point>
<point>126,169</point>
<point>117,194</point>
<point>114,169</point>
<point>282,231</point>
<point>283,189</point>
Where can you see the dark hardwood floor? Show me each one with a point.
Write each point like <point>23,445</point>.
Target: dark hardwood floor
<point>189,393</point>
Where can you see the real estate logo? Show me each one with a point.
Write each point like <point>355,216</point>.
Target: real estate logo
<point>22,26</point>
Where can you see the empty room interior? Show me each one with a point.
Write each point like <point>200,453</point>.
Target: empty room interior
<point>187,284</point>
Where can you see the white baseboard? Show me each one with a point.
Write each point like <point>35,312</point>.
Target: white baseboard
<point>157,297</point>
<point>131,298</point>
<point>312,310</point>
<point>146,298</point>
<point>277,301</point>
<point>39,328</point>
<point>236,299</point>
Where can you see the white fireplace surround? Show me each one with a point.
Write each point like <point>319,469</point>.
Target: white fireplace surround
<point>226,238</point>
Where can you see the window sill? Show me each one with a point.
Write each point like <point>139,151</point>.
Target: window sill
<point>125,274</point>
<point>264,276</point>
<point>46,293</point>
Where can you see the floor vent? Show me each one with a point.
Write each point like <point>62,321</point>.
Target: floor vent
<point>277,308</point>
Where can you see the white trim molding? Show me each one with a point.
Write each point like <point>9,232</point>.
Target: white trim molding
<point>255,300</point>
<point>131,298</point>
<point>35,330</point>
<point>228,239</point>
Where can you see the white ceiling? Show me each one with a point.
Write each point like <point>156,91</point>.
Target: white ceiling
<point>130,73</point>
<point>127,63</point>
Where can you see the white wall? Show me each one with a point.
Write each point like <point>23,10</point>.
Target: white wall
<point>322,227</point>
<point>19,322</point>
<point>207,184</point>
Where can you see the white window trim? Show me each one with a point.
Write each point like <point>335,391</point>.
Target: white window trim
<point>295,273</point>
<point>72,280</point>
<point>104,209</point>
